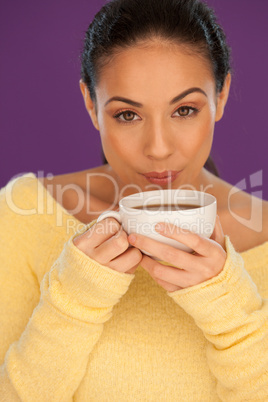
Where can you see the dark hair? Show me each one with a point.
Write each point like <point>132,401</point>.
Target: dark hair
<point>123,23</point>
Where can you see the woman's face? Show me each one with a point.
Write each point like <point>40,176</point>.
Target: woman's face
<point>156,110</point>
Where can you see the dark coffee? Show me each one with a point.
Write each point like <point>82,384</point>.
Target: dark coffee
<point>166,207</point>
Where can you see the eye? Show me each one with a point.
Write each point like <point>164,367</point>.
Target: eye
<point>186,111</point>
<point>126,116</point>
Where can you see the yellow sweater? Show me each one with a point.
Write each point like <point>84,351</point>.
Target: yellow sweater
<point>74,330</point>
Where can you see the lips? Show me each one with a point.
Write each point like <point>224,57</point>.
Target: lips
<point>161,175</point>
<point>162,178</point>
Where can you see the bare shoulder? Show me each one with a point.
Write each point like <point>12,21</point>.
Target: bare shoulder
<point>82,194</point>
<point>244,217</point>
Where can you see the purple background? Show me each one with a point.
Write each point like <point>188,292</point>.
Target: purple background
<point>44,125</point>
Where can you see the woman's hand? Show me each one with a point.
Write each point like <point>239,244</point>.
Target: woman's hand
<point>207,261</point>
<point>107,243</point>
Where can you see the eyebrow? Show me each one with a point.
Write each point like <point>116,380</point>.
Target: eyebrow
<point>174,100</point>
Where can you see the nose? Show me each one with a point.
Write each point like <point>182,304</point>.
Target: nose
<point>159,142</point>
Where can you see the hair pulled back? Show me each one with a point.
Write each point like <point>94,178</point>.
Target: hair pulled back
<point>122,23</point>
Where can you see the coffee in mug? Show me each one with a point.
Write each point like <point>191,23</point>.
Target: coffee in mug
<point>167,207</point>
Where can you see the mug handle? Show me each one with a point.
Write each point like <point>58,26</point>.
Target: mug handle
<point>110,214</point>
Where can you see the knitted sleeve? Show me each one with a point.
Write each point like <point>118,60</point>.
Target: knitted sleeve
<point>234,319</point>
<point>48,334</point>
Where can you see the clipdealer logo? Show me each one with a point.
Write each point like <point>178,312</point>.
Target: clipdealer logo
<point>254,187</point>
<point>46,205</point>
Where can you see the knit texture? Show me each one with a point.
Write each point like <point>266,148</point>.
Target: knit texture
<point>75,330</point>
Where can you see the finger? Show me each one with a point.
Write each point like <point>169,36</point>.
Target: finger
<point>148,264</point>
<point>176,278</point>
<point>166,285</point>
<point>127,262</point>
<point>111,248</point>
<point>201,245</point>
<point>99,233</point>
<point>164,252</point>
<point>218,234</point>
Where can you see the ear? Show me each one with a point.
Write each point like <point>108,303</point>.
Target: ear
<point>222,98</point>
<point>90,105</point>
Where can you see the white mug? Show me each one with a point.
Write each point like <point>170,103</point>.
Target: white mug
<point>199,218</point>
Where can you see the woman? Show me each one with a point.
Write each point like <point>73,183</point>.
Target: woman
<point>86,317</point>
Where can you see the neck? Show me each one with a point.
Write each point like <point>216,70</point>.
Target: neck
<point>205,182</point>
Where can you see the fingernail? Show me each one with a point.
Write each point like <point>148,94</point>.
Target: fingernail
<point>132,239</point>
